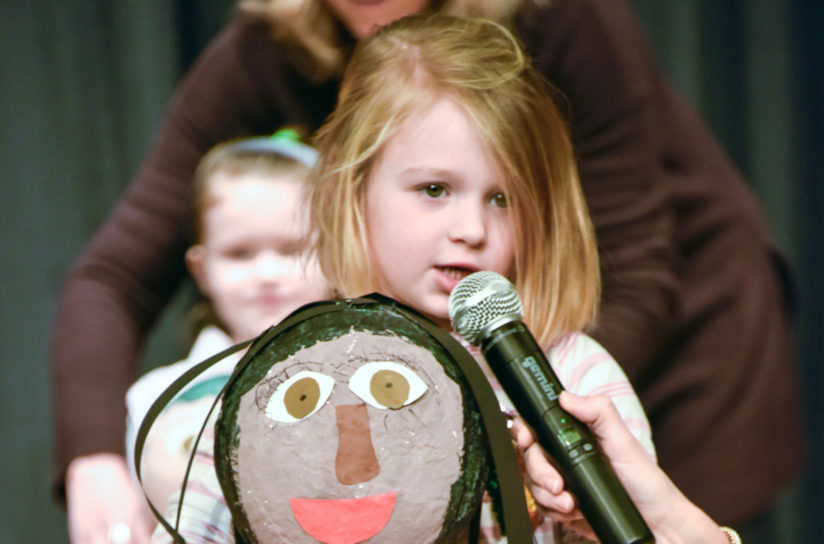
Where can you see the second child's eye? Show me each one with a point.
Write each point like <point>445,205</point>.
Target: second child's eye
<point>291,248</point>
<point>433,190</point>
<point>239,253</point>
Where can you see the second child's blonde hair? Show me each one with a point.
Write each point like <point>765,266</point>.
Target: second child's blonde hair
<point>400,73</point>
<point>276,157</point>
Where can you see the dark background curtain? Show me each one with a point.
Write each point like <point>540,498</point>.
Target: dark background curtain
<point>83,84</point>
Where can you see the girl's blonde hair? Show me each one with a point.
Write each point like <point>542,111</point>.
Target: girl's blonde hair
<point>399,73</point>
<point>315,31</point>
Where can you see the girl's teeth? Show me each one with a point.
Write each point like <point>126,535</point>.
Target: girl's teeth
<point>457,273</point>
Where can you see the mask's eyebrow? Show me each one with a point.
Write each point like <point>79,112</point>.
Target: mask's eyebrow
<point>411,362</point>
<point>266,387</point>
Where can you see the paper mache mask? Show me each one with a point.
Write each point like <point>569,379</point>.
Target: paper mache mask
<point>353,425</point>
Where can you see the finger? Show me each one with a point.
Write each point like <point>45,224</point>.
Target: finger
<point>140,532</point>
<point>521,434</point>
<point>87,535</point>
<point>593,410</point>
<point>143,530</point>
<point>601,415</point>
<point>546,484</point>
<point>541,472</point>
<point>561,505</point>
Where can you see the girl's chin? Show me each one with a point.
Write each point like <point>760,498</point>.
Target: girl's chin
<point>441,318</point>
<point>433,306</point>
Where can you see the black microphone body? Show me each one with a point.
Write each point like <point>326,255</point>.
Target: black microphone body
<point>525,374</point>
<point>490,316</point>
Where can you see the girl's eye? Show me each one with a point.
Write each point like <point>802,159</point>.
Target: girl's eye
<point>499,200</point>
<point>433,190</point>
<point>385,384</point>
<point>300,396</point>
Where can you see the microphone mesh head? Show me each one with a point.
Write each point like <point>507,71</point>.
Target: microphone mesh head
<point>479,300</point>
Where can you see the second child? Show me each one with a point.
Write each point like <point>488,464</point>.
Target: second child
<point>250,220</point>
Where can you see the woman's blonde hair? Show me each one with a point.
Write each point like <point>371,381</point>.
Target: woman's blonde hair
<point>315,32</point>
<point>401,72</point>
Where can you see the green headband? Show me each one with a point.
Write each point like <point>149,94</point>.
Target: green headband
<point>284,142</point>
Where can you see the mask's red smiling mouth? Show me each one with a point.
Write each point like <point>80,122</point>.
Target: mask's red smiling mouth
<point>344,521</point>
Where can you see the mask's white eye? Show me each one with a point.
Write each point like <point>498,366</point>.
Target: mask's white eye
<point>384,384</point>
<point>300,396</point>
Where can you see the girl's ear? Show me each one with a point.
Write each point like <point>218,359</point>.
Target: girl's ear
<point>196,263</point>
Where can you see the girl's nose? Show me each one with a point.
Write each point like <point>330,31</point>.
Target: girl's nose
<point>356,461</point>
<point>468,224</point>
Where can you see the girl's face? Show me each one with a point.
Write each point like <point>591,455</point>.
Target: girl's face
<point>248,262</point>
<point>435,211</point>
<point>362,17</point>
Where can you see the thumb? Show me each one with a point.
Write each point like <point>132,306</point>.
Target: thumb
<point>596,411</point>
<point>603,418</point>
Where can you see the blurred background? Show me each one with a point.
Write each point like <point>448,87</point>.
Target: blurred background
<point>83,84</point>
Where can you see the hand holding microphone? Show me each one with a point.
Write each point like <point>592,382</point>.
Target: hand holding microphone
<point>670,515</point>
<point>546,483</point>
<point>486,310</point>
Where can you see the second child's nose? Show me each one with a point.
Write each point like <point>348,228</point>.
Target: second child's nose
<point>271,265</point>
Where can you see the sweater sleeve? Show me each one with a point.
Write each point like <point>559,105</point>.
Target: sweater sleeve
<point>594,53</point>
<point>129,270</point>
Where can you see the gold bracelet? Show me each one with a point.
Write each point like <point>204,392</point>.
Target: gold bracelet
<point>732,536</point>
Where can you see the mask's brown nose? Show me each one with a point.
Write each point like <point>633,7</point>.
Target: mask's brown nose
<point>356,461</point>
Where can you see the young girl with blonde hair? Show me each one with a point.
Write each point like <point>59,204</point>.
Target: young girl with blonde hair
<point>446,154</point>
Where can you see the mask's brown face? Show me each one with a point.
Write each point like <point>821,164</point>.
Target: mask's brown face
<point>355,439</point>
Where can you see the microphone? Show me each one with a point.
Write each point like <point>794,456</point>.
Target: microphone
<point>486,311</point>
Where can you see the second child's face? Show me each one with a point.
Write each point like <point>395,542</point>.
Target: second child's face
<point>248,262</point>
<point>435,211</point>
